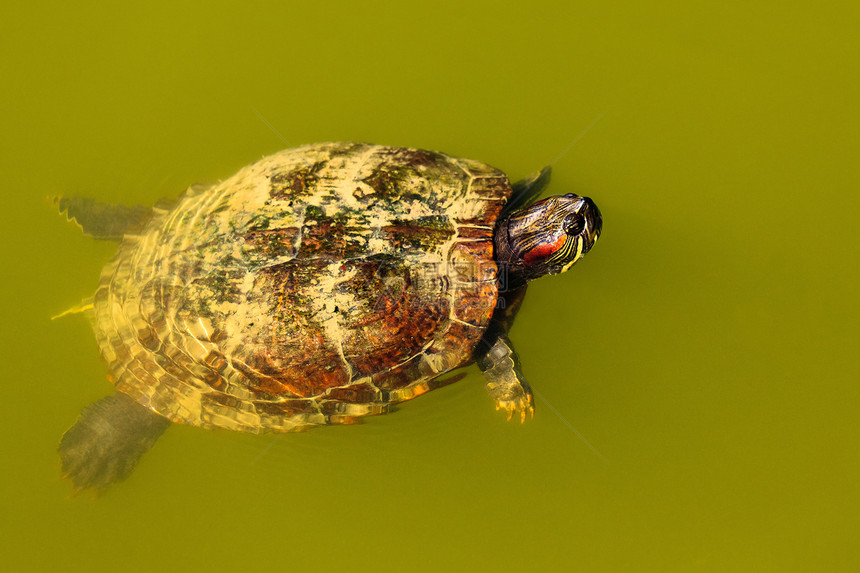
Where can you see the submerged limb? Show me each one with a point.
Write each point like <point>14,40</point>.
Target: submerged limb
<point>501,367</point>
<point>107,440</point>
<point>103,220</point>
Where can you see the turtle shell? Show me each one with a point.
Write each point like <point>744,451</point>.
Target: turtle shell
<point>318,284</point>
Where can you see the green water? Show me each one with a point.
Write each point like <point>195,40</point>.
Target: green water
<point>707,348</point>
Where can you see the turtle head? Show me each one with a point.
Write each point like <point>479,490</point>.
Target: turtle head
<point>546,237</point>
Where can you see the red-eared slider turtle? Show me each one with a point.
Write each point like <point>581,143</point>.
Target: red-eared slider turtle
<point>315,286</point>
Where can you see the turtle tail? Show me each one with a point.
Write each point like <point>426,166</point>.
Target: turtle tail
<point>108,439</point>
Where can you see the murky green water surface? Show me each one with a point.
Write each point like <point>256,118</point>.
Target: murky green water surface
<point>706,348</point>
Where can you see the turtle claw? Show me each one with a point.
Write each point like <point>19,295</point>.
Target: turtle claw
<point>523,403</point>
<point>505,382</point>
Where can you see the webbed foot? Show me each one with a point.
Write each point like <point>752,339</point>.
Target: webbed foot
<point>505,381</point>
<point>513,398</point>
<point>107,441</point>
<point>103,220</point>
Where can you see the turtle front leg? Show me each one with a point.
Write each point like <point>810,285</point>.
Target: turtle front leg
<point>103,220</point>
<point>501,367</point>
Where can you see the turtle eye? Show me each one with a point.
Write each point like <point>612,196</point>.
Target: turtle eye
<point>573,224</point>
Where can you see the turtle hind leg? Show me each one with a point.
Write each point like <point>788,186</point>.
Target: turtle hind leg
<point>108,439</point>
<point>501,367</point>
<point>103,220</point>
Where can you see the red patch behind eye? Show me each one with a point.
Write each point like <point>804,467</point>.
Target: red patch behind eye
<point>544,251</point>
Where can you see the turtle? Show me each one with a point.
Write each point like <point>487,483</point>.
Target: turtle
<point>315,286</point>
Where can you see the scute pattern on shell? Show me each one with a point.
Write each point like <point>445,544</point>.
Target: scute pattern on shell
<point>315,285</point>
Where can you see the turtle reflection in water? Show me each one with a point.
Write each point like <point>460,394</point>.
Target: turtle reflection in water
<point>315,286</point>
